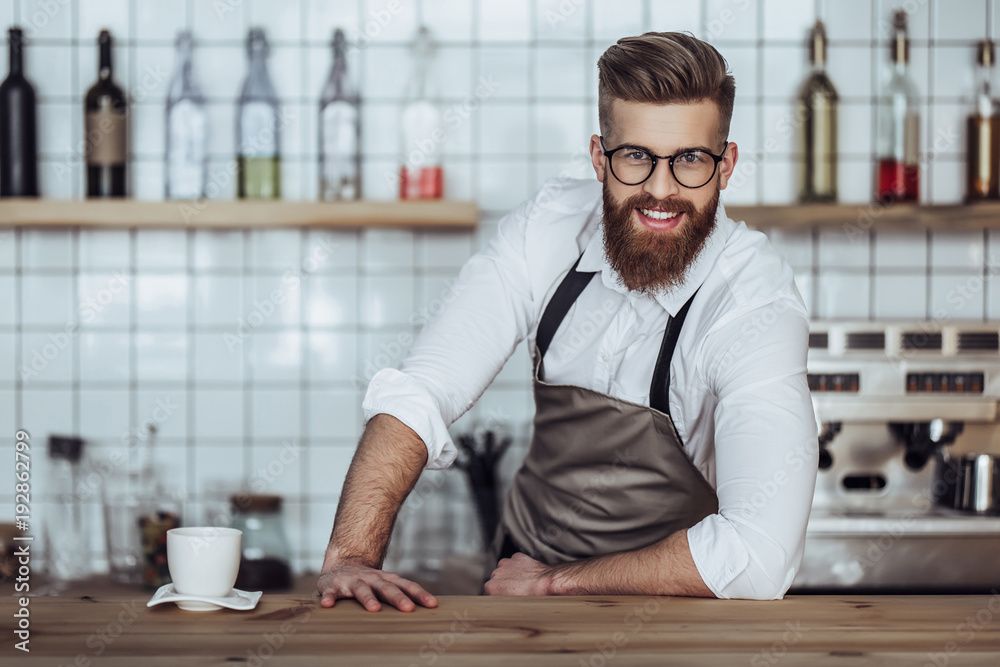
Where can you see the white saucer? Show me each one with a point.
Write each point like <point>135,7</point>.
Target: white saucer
<point>237,599</point>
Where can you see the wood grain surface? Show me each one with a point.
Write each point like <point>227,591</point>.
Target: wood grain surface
<point>443,213</point>
<point>116,628</point>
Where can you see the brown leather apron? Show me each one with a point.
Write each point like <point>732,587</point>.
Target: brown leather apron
<point>602,474</point>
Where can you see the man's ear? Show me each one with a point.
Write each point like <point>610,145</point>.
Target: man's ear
<point>728,164</point>
<point>597,158</point>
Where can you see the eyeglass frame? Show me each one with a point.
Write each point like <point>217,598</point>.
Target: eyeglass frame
<point>670,162</point>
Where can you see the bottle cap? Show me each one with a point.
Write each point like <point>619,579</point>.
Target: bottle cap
<point>900,44</point>
<point>817,44</point>
<point>256,39</point>
<point>65,447</point>
<point>985,54</point>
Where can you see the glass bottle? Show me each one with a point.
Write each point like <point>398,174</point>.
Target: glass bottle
<point>818,111</point>
<point>18,140</point>
<point>983,133</point>
<point>421,175</point>
<point>266,554</point>
<point>106,121</point>
<point>258,161</point>
<point>66,529</point>
<point>186,165</point>
<point>339,131</point>
<point>899,125</point>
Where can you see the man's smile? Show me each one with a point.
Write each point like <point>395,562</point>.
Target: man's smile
<point>658,219</point>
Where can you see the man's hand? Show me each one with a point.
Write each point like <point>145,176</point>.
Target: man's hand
<point>367,585</point>
<point>520,575</point>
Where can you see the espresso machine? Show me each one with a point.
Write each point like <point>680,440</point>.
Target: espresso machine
<point>906,495</point>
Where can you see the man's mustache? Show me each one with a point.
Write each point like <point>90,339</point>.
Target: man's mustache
<point>669,205</point>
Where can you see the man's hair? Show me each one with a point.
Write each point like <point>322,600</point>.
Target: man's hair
<point>664,68</point>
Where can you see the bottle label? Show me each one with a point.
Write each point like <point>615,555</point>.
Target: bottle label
<point>105,138</point>
<point>258,130</point>
<point>187,137</point>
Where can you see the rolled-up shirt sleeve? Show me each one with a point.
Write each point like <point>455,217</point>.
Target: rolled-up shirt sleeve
<point>766,454</point>
<point>489,310</point>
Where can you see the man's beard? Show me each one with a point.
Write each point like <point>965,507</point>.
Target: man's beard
<point>648,260</point>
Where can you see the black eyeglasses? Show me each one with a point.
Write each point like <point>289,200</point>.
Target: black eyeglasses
<point>633,165</point>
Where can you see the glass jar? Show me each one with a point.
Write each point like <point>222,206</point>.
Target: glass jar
<point>266,554</point>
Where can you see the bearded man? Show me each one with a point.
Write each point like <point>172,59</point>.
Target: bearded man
<point>674,444</point>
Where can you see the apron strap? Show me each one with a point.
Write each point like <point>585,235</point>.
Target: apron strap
<point>659,388</point>
<point>560,303</point>
<point>562,300</point>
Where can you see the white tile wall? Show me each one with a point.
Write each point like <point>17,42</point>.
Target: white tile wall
<point>191,318</point>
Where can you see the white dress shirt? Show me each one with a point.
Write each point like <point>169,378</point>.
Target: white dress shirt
<point>738,392</point>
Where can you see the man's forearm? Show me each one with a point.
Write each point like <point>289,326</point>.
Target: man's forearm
<point>384,470</point>
<point>663,568</point>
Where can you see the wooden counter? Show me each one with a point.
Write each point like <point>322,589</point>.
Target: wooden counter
<point>112,626</point>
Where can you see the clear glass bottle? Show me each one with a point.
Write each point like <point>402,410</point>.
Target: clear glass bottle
<point>186,165</point>
<point>18,140</point>
<point>983,133</point>
<point>258,133</point>
<point>818,111</point>
<point>66,528</point>
<point>339,131</point>
<point>421,175</point>
<point>266,554</point>
<point>899,125</point>
<point>106,129</point>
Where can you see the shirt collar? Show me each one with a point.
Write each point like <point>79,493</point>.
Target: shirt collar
<point>594,259</point>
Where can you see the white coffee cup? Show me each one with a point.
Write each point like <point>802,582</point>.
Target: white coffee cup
<point>204,561</point>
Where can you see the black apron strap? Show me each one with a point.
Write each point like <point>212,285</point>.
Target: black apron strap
<point>562,300</point>
<point>659,388</point>
<point>560,303</point>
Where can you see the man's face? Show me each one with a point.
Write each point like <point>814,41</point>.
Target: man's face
<point>654,230</point>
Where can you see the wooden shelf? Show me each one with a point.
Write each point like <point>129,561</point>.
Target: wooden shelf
<point>444,214</point>
<point>447,214</point>
<point>862,217</point>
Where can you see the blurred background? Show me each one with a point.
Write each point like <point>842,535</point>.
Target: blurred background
<point>218,361</point>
